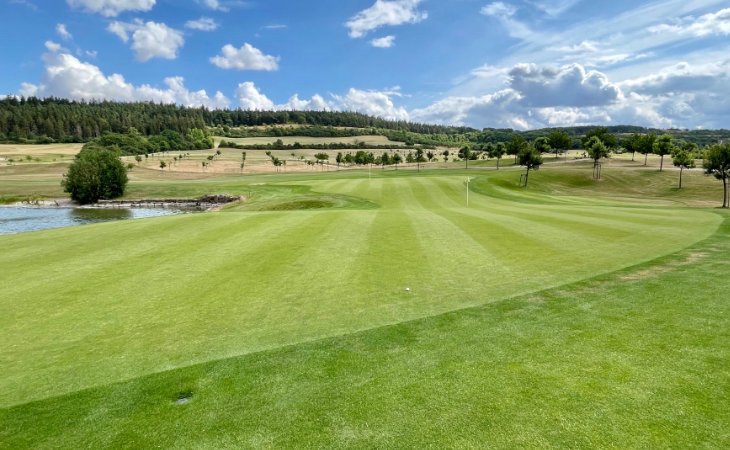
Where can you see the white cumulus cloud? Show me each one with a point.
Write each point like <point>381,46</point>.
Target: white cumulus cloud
<point>500,109</point>
<point>681,95</point>
<point>112,8</point>
<point>247,57</point>
<point>374,103</point>
<point>569,85</point>
<point>383,42</point>
<point>149,39</point>
<point>66,76</point>
<point>28,89</point>
<point>53,46</point>
<point>63,32</point>
<point>382,13</point>
<point>249,97</point>
<point>202,24</point>
<point>316,103</point>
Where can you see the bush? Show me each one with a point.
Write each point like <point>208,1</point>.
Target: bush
<point>96,174</point>
<point>198,139</point>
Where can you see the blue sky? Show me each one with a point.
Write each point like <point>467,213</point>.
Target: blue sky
<point>512,64</point>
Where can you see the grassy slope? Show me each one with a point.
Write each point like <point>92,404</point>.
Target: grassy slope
<point>636,358</point>
<point>118,297</point>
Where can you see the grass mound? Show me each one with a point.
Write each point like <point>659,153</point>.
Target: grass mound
<point>301,204</point>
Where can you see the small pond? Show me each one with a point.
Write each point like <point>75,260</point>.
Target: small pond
<point>19,219</point>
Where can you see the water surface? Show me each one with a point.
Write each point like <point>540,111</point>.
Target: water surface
<point>18,219</point>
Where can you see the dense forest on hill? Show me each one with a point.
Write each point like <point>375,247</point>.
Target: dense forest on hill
<point>35,120</point>
<point>59,120</point>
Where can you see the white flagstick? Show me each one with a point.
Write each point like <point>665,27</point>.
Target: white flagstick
<point>467,192</point>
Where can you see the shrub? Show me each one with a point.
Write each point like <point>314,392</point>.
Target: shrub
<point>96,174</point>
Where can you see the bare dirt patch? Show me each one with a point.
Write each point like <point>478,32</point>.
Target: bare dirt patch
<point>654,271</point>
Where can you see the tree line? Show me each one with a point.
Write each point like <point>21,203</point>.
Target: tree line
<point>599,143</point>
<point>134,143</point>
<point>58,120</point>
<point>49,120</point>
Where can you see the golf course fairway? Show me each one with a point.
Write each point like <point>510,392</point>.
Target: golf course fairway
<point>285,320</point>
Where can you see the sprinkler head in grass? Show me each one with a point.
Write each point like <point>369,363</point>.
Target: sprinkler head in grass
<point>408,289</point>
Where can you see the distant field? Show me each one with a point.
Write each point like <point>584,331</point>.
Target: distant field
<point>33,150</point>
<point>11,154</point>
<point>304,140</point>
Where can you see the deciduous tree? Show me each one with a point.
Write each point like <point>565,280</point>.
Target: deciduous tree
<point>663,146</point>
<point>717,163</point>
<point>683,159</point>
<point>95,174</point>
<point>542,145</point>
<point>560,140</point>
<point>465,153</point>
<point>517,145</point>
<point>631,144</point>
<point>645,145</point>
<point>596,150</point>
<point>608,139</point>
<point>397,159</point>
<point>531,159</point>
<point>498,152</point>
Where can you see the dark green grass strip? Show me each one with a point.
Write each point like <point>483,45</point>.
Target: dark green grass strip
<point>637,358</point>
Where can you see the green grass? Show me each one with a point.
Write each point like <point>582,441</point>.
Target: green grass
<point>631,359</point>
<point>579,318</point>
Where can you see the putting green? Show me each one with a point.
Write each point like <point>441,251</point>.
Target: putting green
<point>92,305</point>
